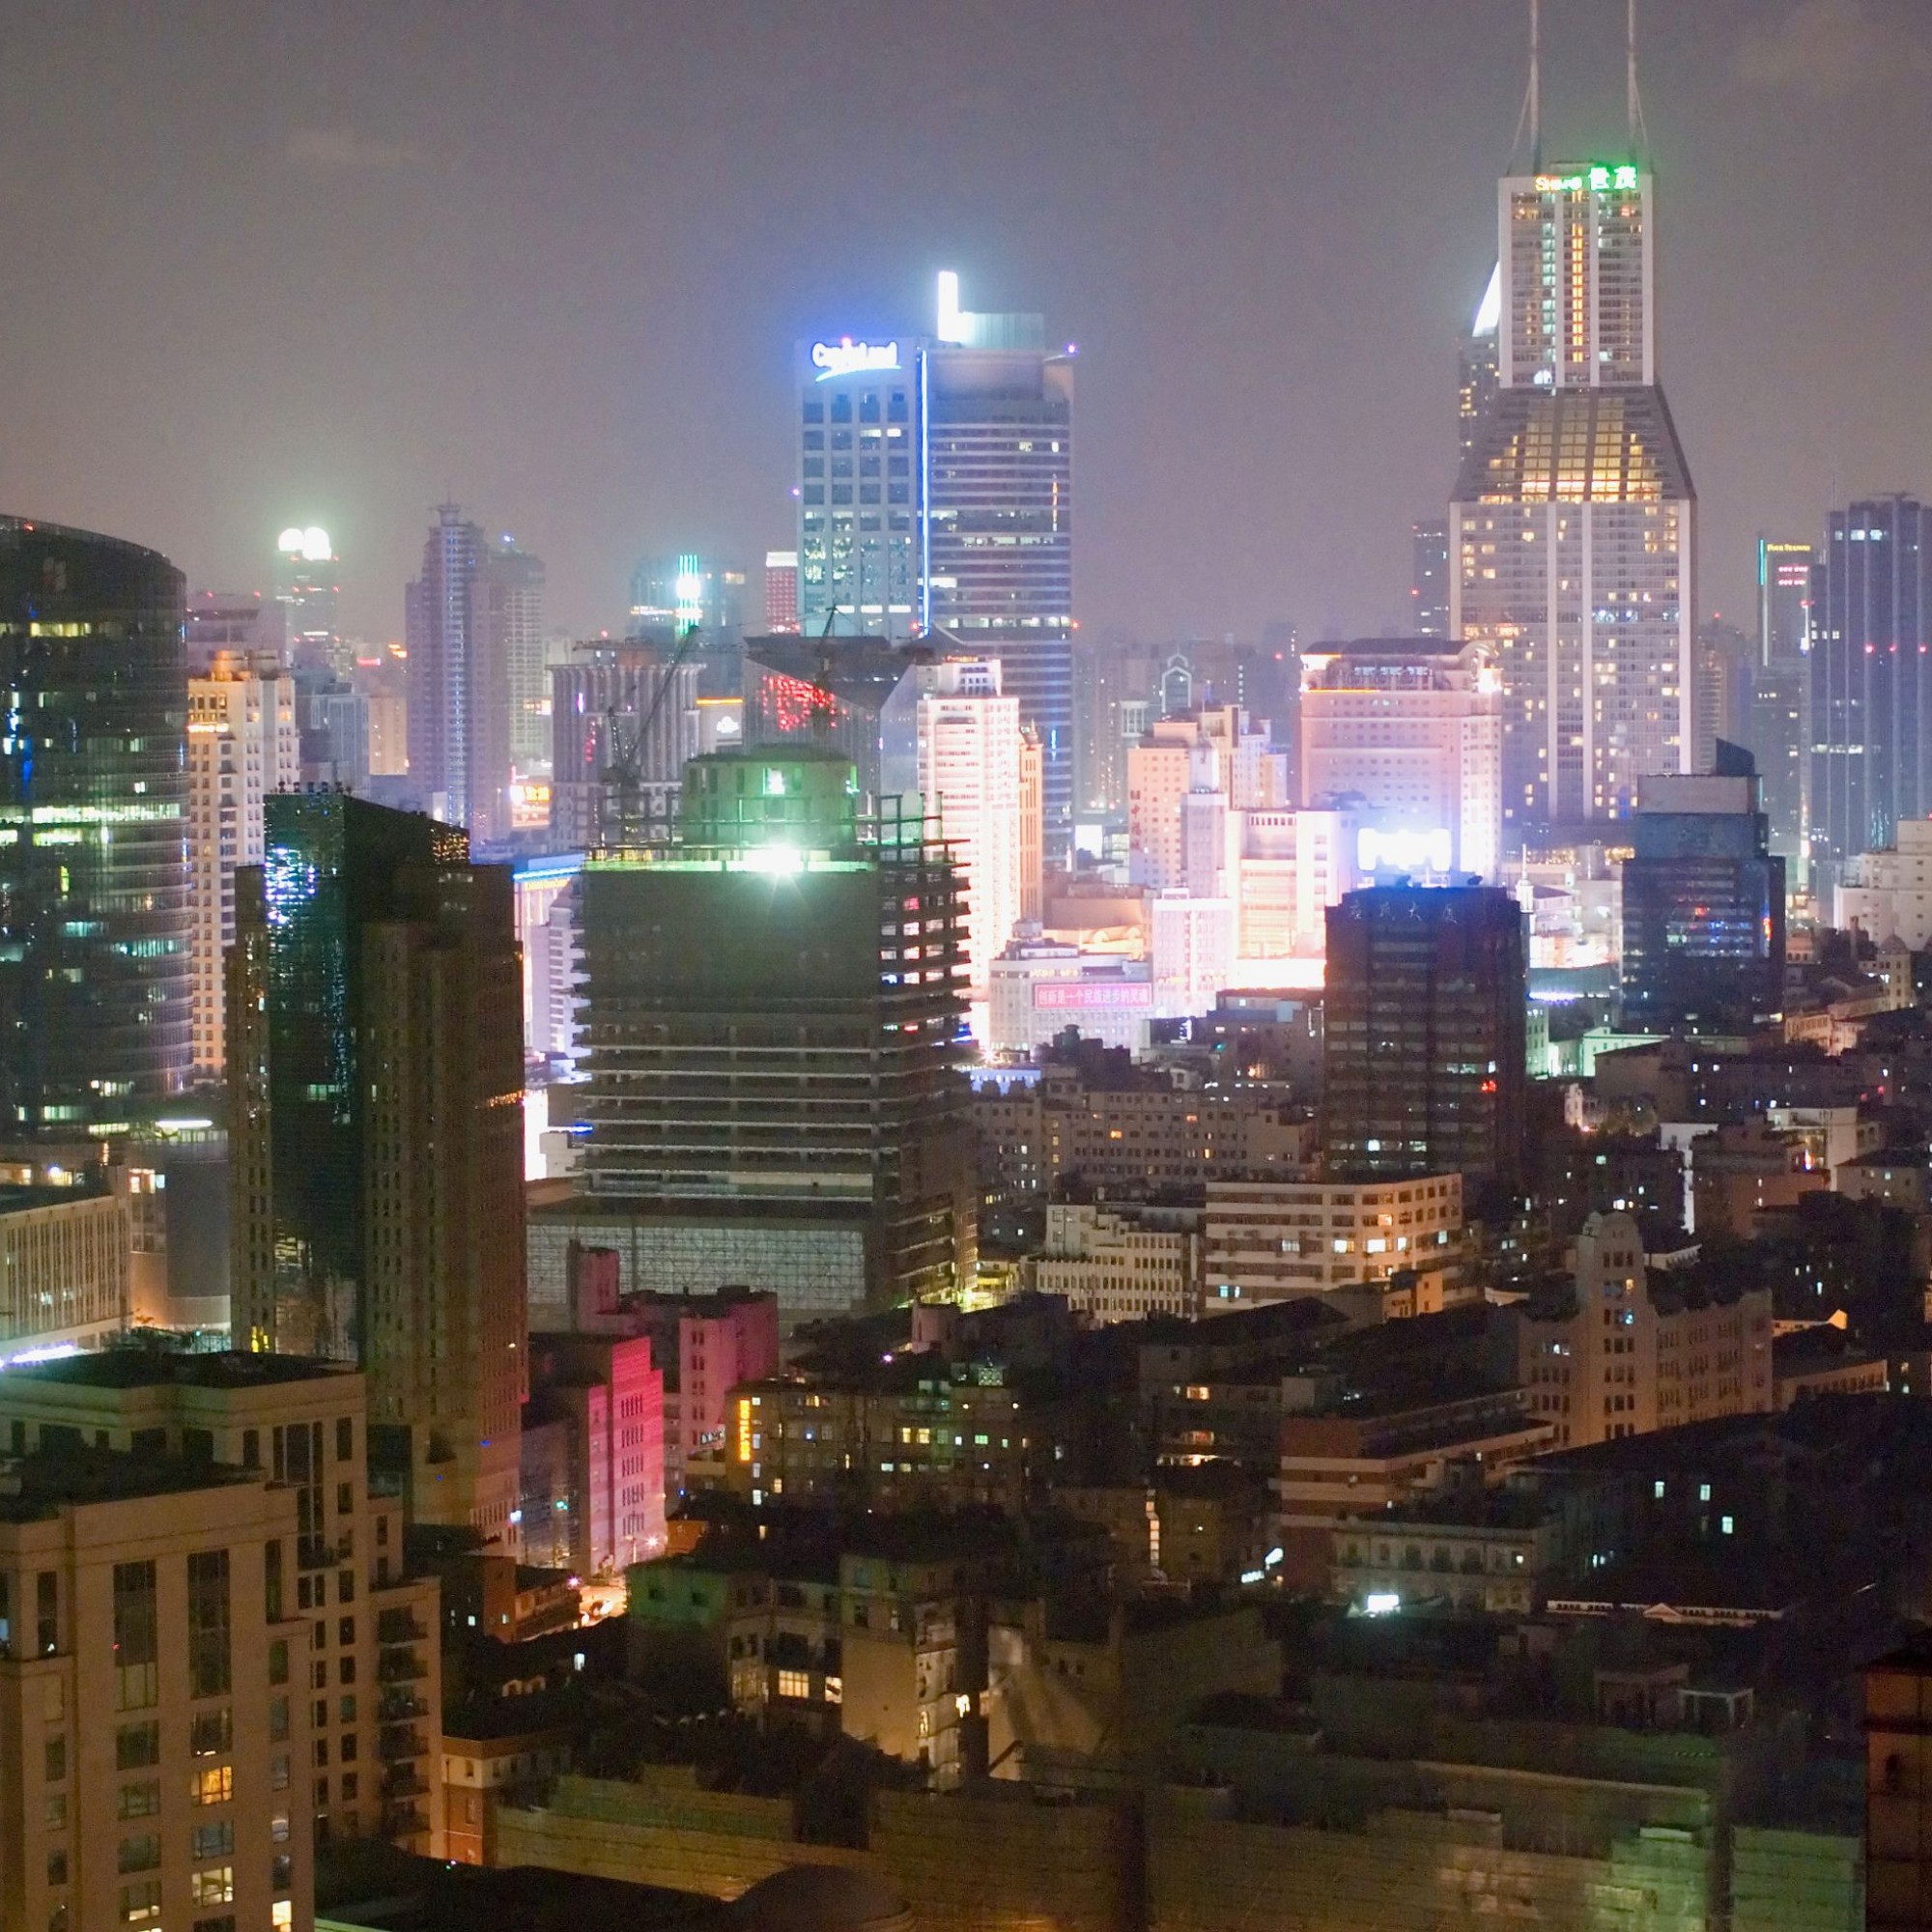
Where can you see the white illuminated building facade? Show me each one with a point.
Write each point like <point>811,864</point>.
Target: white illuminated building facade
<point>1406,734</point>
<point>969,777</point>
<point>1572,527</point>
<point>242,744</point>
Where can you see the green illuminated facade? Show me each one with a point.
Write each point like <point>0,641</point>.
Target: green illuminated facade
<point>771,1020</point>
<point>94,923</point>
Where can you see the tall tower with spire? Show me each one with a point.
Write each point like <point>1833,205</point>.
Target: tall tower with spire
<point>1572,522</point>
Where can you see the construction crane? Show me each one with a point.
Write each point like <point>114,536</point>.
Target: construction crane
<point>623,773</point>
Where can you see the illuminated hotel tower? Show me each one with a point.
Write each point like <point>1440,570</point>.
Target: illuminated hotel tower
<point>1572,527</point>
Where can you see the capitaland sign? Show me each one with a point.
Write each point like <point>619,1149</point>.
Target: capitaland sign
<point>846,358</point>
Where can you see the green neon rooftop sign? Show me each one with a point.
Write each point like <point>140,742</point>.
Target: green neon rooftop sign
<point>1601,178</point>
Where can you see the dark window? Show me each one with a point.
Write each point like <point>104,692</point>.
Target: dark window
<point>251,1448</point>
<point>215,1841</point>
<point>208,1634</point>
<point>271,1582</point>
<point>137,1745</point>
<point>46,1613</point>
<point>136,1648</point>
<point>869,407</point>
<point>345,1438</point>
<point>841,409</point>
<point>212,1733</point>
<point>896,406</point>
<point>55,1758</point>
<point>814,409</point>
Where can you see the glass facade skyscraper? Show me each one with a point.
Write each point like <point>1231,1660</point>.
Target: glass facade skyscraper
<point>94,923</point>
<point>935,493</point>
<point>1572,527</point>
<point>1870,679</point>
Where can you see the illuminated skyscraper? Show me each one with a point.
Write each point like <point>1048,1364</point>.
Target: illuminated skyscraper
<point>1571,529</point>
<point>1429,581</point>
<point>94,933</point>
<point>936,493</point>
<point>375,1047</point>
<point>307,585</point>
<point>781,591</point>
<point>242,744</point>
<point>1779,734</point>
<point>1476,384</point>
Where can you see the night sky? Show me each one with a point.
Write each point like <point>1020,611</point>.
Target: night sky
<point>272,263</point>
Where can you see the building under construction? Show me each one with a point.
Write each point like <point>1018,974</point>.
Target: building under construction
<point>771,1009</point>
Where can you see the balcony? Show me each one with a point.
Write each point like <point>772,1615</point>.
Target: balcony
<point>402,1780</point>
<point>401,1626</point>
<point>400,1666</point>
<point>403,1820</point>
<point>398,1706</point>
<point>399,1743</point>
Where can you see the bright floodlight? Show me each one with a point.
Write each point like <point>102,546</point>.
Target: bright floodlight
<point>951,321</point>
<point>315,545</point>
<point>290,540</point>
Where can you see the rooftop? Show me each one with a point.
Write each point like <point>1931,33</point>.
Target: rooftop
<point>145,1368</point>
<point>34,1488</point>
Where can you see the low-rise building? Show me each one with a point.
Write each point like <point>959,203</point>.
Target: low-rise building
<point>1268,1239</point>
<point>1619,1349</point>
<point>1121,1264</point>
<point>1472,1549</point>
<point>64,1262</point>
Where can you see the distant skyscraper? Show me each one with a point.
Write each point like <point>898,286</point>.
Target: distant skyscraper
<point>936,493</point>
<point>969,776</point>
<point>613,703</point>
<point>308,588</point>
<point>1727,678</point>
<point>1477,377</point>
<point>375,1128</point>
<point>780,590</point>
<point>1572,529</point>
<point>1424,1048</point>
<point>1703,904</point>
<point>476,651</point>
<point>1780,733</point>
<point>94,930</point>
<point>242,744</point>
<point>1429,584</point>
<point>231,620</point>
<point>1871,684</point>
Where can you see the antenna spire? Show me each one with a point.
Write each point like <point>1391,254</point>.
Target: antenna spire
<point>1534,105</point>
<point>1639,134</point>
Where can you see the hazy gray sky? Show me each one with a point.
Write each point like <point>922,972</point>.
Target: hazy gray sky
<point>267,263</point>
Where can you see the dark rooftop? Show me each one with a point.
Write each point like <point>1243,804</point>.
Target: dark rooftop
<point>150,1368</point>
<point>34,1488</point>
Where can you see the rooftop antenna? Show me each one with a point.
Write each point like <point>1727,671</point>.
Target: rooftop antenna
<point>1532,116</point>
<point>1639,134</point>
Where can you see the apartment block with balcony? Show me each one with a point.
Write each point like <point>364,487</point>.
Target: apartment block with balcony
<point>371,1702</point>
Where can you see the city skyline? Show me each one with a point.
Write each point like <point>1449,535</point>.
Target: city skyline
<point>1242,485</point>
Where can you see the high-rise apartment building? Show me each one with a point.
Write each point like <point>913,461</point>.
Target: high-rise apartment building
<point>1424,1049</point>
<point>94,928</point>
<point>475,662</point>
<point>1407,734</point>
<point>376,1132</point>
<point>968,777</point>
<point>1428,581</point>
<point>1572,527</point>
<point>1703,904</point>
<point>1870,685</point>
<point>935,493</point>
<point>1032,826</point>
<point>770,1008</point>
<point>242,745</point>
<point>308,588</point>
<point>334,1707</point>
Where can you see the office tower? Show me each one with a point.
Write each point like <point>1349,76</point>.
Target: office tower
<point>332,728</point>
<point>159,1747</point>
<point>1423,1057</point>
<point>1571,529</point>
<point>780,590</point>
<point>1476,378</point>
<point>1411,729</point>
<point>242,746</point>
<point>1032,826</point>
<point>343,1614</point>
<point>1428,581</point>
<point>231,620</point>
<point>94,931</point>
<point>1779,735</point>
<point>698,604</point>
<point>1187,780</point>
<point>969,777</point>
<point>770,1009</point>
<point>307,587</point>
<point>376,1132</point>
<point>1703,904</point>
<point>1871,692</point>
<point>935,493</point>
<point>623,724</point>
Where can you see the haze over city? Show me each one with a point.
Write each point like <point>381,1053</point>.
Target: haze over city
<point>331,264</point>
